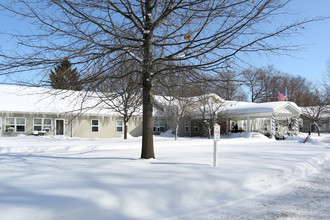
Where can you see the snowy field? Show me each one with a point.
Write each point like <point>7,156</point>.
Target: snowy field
<point>45,178</point>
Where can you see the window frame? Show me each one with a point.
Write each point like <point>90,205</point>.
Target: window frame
<point>159,126</point>
<point>155,126</point>
<point>14,125</point>
<point>119,126</point>
<point>95,126</point>
<point>44,127</point>
<point>187,127</point>
<point>196,127</point>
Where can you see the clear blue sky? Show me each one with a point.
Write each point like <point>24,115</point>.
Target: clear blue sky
<point>309,62</point>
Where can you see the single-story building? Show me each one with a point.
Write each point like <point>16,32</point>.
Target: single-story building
<point>272,118</point>
<point>45,111</point>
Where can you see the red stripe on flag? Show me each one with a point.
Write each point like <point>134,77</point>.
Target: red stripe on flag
<point>281,97</point>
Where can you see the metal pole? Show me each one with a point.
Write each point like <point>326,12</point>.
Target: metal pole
<point>215,144</point>
<point>215,153</point>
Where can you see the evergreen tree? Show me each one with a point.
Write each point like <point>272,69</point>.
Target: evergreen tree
<point>64,77</point>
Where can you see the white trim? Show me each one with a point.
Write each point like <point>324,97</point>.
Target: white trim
<point>43,125</point>
<point>14,128</point>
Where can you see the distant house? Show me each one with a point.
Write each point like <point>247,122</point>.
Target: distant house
<point>43,111</point>
<point>315,118</point>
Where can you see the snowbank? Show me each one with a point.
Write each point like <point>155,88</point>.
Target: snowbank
<point>168,133</point>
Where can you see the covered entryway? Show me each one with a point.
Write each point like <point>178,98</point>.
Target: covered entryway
<point>59,126</point>
<point>266,117</point>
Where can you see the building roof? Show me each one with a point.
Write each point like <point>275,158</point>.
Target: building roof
<point>19,99</point>
<point>267,109</point>
<point>27,100</point>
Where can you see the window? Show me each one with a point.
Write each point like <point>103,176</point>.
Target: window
<point>159,126</point>
<point>162,126</point>
<point>47,124</point>
<point>324,127</point>
<point>42,124</point>
<point>37,124</point>
<point>95,125</point>
<point>10,125</point>
<point>196,127</point>
<point>119,125</point>
<point>276,127</point>
<point>14,125</point>
<point>186,127</point>
<point>156,126</point>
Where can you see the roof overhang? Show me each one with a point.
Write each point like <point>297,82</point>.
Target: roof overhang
<point>240,110</point>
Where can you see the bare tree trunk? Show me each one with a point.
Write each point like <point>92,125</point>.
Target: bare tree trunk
<point>147,131</point>
<point>176,131</point>
<point>125,129</point>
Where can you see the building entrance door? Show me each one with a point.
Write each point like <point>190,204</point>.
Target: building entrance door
<point>59,126</point>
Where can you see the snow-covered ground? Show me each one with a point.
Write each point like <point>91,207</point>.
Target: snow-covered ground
<point>65,178</point>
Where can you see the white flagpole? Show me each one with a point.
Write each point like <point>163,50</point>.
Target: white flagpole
<point>286,94</point>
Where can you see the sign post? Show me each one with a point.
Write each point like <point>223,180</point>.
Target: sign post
<point>215,147</point>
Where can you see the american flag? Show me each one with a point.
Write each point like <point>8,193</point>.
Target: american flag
<point>281,96</point>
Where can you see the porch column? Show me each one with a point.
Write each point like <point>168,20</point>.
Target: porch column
<point>295,126</point>
<point>248,125</point>
<point>272,126</point>
<point>227,125</point>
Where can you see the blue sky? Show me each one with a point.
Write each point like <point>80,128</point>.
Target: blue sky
<point>309,62</point>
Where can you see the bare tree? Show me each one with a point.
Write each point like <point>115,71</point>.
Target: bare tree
<point>176,109</point>
<point>253,80</point>
<point>316,114</point>
<point>175,90</point>
<point>197,34</point>
<point>209,108</point>
<point>122,94</point>
<point>228,86</point>
<point>266,83</point>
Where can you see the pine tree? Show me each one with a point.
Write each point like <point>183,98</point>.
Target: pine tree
<point>64,77</point>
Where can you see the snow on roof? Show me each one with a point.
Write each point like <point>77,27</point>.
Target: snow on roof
<point>280,109</point>
<point>235,108</point>
<point>175,101</point>
<point>19,99</point>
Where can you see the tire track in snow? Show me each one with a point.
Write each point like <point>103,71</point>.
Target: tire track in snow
<point>305,199</point>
